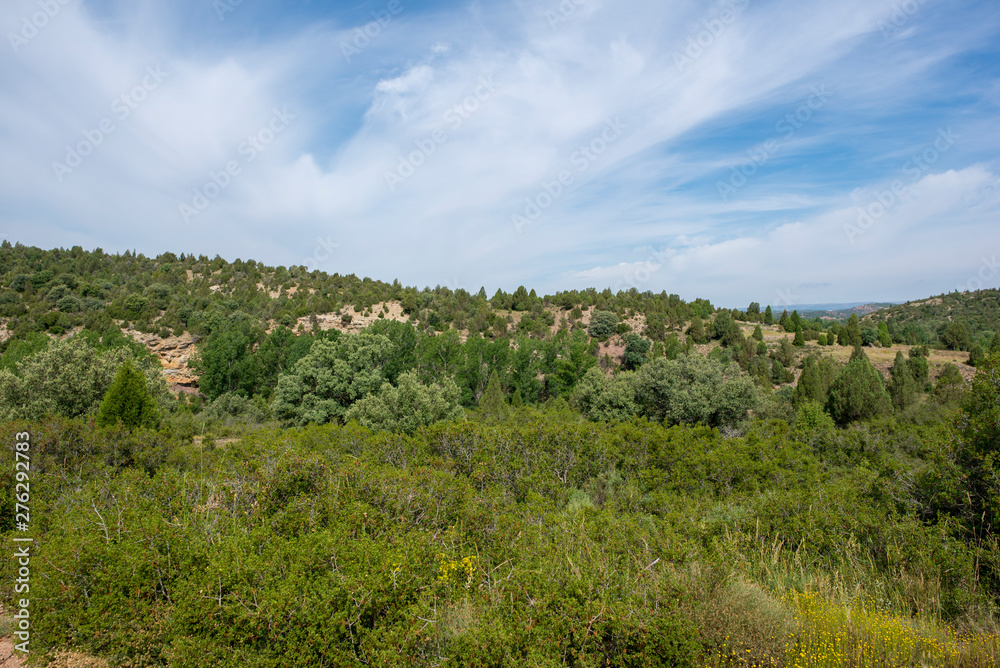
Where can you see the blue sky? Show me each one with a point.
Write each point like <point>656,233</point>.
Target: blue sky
<point>776,151</point>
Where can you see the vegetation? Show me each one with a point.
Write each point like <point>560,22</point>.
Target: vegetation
<point>372,474</point>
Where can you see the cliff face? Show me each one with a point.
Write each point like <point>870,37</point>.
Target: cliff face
<point>174,352</point>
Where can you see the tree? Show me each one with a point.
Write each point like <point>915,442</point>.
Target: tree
<point>635,353</point>
<point>225,362</point>
<point>976,354</point>
<point>883,335</point>
<point>408,405</point>
<point>334,375</point>
<point>768,316</point>
<point>795,321</point>
<point>854,331</point>
<point>783,320</point>
<point>128,401</point>
<point>67,378</point>
<point>696,332</point>
<point>858,393</point>
<point>604,399</point>
<point>799,338</point>
<point>693,389</point>
<point>869,335</point>
<point>955,336</point>
<point>758,334</point>
<point>493,404</point>
<point>995,343</point>
<point>602,324</point>
<point>950,386</point>
<point>725,328</point>
<point>902,387</point>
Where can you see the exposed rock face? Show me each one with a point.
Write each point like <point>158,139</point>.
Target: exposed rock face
<point>174,353</point>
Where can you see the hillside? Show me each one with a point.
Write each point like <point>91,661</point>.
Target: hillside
<point>956,321</point>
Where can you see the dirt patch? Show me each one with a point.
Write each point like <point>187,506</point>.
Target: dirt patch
<point>391,310</point>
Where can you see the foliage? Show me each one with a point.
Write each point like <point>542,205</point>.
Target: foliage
<point>602,324</point>
<point>326,382</point>
<point>858,393</point>
<point>128,401</point>
<point>407,406</point>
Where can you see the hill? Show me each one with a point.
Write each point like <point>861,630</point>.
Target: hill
<point>955,321</point>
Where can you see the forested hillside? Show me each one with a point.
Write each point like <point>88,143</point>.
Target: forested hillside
<point>352,472</point>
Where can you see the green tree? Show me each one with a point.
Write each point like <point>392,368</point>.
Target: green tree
<point>950,387</point>
<point>799,338</point>
<point>783,321</point>
<point>636,350</point>
<point>854,331</point>
<point>883,335</point>
<point>858,393</point>
<point>604,399</point>
<point>128,401</point>
<point>768,316</point>
<point>602,324</point>
<point>696,332</point>
<point>335,374</point>
<point>67,378</point>
<point>725,328</point>
<point>955,336</point>
<point>758,334</point>
<point>902,387</point>
<point>407,406</point>
<point>225,362</point>
<point>693,389</point>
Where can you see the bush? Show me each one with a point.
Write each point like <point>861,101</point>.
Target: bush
<point>858,393</point>
<point>602,324</point>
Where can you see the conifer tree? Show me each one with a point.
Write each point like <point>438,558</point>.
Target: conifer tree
<point>128,401</point>
<point>800,339</point>
<point>492,405</point>
<point>758,334</point>
<point>768,315</point>
<point>902,386</point>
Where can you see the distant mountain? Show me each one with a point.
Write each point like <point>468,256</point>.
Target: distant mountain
<point>840,311</point>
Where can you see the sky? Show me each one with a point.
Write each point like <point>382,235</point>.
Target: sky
<point>777,151</point>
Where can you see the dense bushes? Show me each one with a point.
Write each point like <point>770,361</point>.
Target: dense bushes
<point>538,538</point>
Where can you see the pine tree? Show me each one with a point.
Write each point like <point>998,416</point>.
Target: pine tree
<point>696,332</point>
<point>854,331</point>
<point>783,320</point>
<point>128,401</point>
<point>995,344</point>
<point>492,405</point>
<point>858,393</point>
<point>800,339</point>
<point>902,386</point>
<point>768,316</point>
<point>758,334</point>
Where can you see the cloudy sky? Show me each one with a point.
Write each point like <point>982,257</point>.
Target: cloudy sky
<point>780,151</point>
